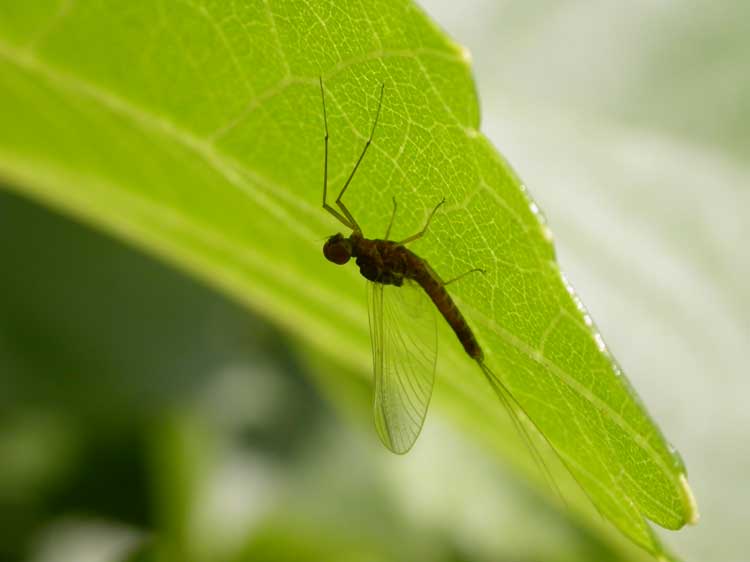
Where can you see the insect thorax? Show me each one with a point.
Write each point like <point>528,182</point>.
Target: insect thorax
<point>371,271</point>
<point>380,261</point>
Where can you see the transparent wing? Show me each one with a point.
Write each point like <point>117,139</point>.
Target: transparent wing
<point>404,353</point>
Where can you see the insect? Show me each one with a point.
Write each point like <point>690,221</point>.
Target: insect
<point>403,294</point>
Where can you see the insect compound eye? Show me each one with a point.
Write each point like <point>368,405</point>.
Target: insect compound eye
<point>337,249</point>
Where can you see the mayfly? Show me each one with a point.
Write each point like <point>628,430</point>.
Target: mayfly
<point>402,320</point>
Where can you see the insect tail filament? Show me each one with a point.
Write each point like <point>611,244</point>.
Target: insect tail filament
<point>511,405</point>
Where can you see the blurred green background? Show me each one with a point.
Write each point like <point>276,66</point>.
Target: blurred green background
<point>143,416</point>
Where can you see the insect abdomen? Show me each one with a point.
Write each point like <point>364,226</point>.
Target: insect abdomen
<point>444,303</point>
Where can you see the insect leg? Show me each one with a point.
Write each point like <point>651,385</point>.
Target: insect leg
<point>339,202</point>
<point>390,224</point>
<point>419,234</point>
<point>345,221</point>
<point>464,274</point>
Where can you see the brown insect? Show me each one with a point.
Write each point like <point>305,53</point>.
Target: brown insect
<point>402,321</point>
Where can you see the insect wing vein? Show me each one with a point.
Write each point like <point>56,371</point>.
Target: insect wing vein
<point>403,332</point>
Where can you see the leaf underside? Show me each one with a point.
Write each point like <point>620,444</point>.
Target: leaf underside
<point>194,129</point>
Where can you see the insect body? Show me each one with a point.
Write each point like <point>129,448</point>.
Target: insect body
<point>390,263</point>
<point>402,324</point>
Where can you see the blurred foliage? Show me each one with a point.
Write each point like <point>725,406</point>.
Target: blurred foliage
<point>98,346</point>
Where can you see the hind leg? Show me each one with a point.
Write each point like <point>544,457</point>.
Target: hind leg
<point>464,274</point>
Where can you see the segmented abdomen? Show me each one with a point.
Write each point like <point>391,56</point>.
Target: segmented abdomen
<point>433,286</point>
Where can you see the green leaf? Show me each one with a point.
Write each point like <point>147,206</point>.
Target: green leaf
<point>195,131</point>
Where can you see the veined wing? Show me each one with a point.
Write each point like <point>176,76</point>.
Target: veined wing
<point>404,353</point>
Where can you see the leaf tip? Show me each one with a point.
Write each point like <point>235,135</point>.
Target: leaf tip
<point>462,52</point>
<point>693,516</point>
<point>465,54</point>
